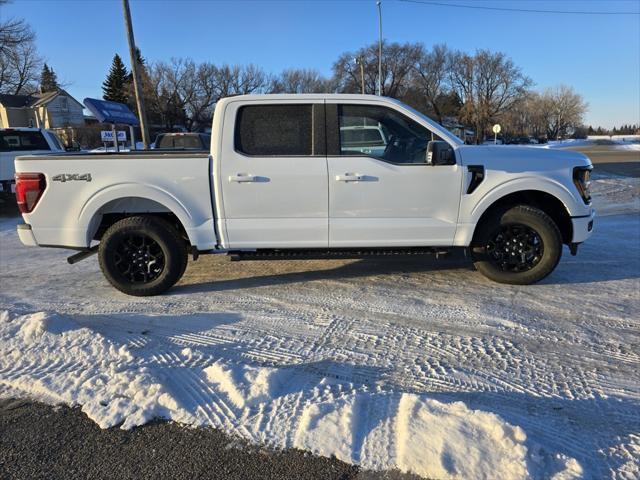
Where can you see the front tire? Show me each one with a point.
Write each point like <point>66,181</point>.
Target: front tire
<point>520,245</point>
<point>142,255</point>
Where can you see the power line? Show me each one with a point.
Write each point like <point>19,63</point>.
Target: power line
<point>519,10</point>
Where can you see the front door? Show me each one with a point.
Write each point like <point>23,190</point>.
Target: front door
<point>381,191</point>
<point>274,174</point>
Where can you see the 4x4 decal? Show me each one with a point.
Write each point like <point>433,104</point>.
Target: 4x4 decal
<point>70,177</point>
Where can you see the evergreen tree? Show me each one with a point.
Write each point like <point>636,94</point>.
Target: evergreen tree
<point>48,80</point>
<point>115,86</point>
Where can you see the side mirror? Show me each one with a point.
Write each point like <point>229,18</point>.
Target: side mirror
<point>440,153</point>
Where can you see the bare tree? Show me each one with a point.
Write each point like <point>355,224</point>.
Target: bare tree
<point>525,117</point>
<point>562,110</point>
<point>430,79</point>
<point>202,95</point>
<point>398,61</point>
<point>488,83</point>
<point>240,80</point>
<point>300,81</point>
<point>170,87</point>
<point>19,60</point>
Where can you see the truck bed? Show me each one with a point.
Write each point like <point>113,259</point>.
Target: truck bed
<point>81,188</point>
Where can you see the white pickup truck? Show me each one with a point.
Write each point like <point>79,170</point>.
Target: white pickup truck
<point>23,141</point>
<point>280,183</point>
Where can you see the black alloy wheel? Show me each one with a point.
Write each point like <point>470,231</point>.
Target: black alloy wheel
<point>518,245</point>
<point>515,248</point>
<point>143,255</point>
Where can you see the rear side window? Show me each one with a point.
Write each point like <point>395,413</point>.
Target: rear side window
<point>275,130</point>
<point>22,141</point>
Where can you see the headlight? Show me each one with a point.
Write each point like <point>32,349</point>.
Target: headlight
<point>582,179</point>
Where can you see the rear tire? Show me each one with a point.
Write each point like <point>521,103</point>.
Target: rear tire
<point>142,255</point>
<point>520,245</point>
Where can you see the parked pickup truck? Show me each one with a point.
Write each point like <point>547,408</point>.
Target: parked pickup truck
<point>23,141</point>
<point>278,183</point>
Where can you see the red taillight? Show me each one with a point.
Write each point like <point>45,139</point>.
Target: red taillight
<point>29,189</point>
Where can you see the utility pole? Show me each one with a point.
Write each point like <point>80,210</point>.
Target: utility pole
<point>136,75</point>
<point>379,3</point>
<point>359,61</point>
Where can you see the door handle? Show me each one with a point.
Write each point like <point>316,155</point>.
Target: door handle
<point>242,178</point>
<point>349,177</point>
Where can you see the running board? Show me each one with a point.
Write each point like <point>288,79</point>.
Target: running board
<point>335,254</point>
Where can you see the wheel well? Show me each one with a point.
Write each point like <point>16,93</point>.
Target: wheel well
<point>116,210</point>
<point>535,198</point>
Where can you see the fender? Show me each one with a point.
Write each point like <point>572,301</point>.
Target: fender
<point>471,210</point>
<point>89,213</point>
<point>537,183</point>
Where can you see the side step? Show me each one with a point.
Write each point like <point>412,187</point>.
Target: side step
<point>336,253</point>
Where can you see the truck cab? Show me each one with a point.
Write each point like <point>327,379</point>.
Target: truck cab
<point>23,141</point>
<point>288,175</point>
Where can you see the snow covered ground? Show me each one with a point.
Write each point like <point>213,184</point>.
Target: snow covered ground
<point>629,143</point>
<point>411,363</point>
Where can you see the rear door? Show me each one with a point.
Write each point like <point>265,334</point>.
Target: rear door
<point>274,174</point>
<point>381,191</point>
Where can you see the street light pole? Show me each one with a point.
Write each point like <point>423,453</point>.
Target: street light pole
<point>136,75</point>
<point>359,61</point>
<point>379,3</point>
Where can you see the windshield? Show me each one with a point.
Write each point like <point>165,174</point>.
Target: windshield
<point>361,137</point>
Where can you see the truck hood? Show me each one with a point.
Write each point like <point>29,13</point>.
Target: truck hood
<point>522,158</point>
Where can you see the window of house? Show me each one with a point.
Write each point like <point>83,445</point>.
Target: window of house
<point>275,130</point>
<point>64,103</point>
<point>383,133</point>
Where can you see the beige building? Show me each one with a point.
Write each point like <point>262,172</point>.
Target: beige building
<point>42,110</point>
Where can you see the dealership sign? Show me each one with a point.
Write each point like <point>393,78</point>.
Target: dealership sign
<point>107,136</point>
<point>111,112</point>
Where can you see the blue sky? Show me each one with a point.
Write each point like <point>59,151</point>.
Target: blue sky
<point>596,54</point>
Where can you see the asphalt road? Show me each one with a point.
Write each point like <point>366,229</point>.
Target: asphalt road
<point>43,442</point>
<point>609,159</point>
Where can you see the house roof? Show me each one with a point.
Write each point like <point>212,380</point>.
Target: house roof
<point>35,100</point>
<point>44,98</point>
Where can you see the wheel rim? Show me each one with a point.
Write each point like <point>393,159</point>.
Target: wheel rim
<point>515,248</point>
<point>139,258</point>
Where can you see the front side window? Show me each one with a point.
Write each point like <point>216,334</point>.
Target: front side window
<point>275,130</point>
<point>382,133</point>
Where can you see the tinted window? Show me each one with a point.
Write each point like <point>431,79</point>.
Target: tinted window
<point>270,130</point>
<point>188,142</point>
<point>22,141</point>
<point>362,136</point>
<point>383,133</point>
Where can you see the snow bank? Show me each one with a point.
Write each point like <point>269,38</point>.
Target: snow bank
<point>49,356</point>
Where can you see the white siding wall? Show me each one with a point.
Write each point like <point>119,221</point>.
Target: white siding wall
<point>64,114</point>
